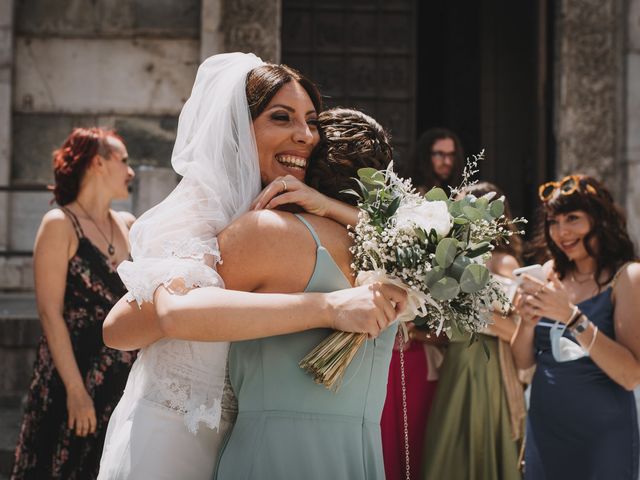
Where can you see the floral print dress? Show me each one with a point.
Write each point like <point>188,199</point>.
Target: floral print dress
<point>47,448</point>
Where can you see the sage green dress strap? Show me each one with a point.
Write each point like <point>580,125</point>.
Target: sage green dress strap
<point>288,427</point>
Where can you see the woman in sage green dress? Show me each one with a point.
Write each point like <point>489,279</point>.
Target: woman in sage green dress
<point>293,427</point>
<point>477,415</point>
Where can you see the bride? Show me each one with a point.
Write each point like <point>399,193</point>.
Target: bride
<point>246,122</point>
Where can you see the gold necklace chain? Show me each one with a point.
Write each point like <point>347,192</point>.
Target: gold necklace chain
<point>110,248</point>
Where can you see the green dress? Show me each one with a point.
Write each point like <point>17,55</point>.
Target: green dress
<point>289,427</point>
<point>469,431</point>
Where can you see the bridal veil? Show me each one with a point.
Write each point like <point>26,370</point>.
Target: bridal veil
<point>215,153</point>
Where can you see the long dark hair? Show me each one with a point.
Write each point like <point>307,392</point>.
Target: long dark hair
<point>265,81</point>
<point>514,247</point>
<point>421,167</point>
<point>349,140</point>
<point>608,228</point>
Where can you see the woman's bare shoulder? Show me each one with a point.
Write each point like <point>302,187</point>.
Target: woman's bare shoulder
<point>256,225</point>
<point>55,223</point>
<point>265,250</point>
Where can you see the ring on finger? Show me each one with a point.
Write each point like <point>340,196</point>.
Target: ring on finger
<point>284,185</point>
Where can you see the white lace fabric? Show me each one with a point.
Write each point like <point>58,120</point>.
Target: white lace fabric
<point>182,376</point>
<point>216,154</point>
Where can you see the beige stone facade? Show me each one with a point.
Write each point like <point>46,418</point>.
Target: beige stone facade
<point>124,64</point>
<point>130,64</point>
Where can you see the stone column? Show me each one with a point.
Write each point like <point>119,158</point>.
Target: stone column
<point>241,25</point>
<point>633,121</point>
<point>6,75</point>
<point>211,38</point>
<point>589,96</point>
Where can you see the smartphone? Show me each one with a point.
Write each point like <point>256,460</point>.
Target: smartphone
<point>536,271</point>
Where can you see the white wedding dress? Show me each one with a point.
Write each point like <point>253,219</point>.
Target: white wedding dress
<point>147,438</point>
<point>173,418</point>
<point>150,436</point>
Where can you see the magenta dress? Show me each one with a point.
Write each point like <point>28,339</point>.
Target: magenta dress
<point>420,393</point>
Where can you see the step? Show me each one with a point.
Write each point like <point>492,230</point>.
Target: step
<point>10,419</point>
<point>19,334</point>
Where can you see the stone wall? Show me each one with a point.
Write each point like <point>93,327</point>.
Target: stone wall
<point>123,64</point>
<point>597,97</point>
<point>6,74</point>
<point>589,65</point>
<point>632,144</point>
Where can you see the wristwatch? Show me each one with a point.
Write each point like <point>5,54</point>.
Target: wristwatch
<point>581,325</point>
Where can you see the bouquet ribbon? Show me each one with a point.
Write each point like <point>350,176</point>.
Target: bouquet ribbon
<point>416,300</point>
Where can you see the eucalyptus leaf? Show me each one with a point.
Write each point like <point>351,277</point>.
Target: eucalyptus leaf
<point>367,172</point>
<point>489,196</point>
<point>433,275</point>
<point>446,252</point>
<point>496,208</point>
<point>472,213</point>
<point>436,194</point>
<point>459,220</point>
<point>481,204</point>
<point>446,288</point>
<point>478,249</point>
<point>375,181</point>
<point>458,266</point>
<point>455,208</point>
<point>474,278</point>
<point>420,233</point>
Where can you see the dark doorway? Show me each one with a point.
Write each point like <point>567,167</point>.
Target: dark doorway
<point>483,71</point>
<point>362,55</point>
<point>479,68</point>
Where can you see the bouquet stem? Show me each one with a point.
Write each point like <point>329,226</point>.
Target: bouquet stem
<point>328,362</point>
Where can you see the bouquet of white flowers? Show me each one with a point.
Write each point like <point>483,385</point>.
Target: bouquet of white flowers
<point>434,246</point>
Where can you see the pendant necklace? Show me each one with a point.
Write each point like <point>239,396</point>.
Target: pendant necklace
<point>110,249</point>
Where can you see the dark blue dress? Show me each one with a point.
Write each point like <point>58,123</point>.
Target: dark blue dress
<point>581,425</point>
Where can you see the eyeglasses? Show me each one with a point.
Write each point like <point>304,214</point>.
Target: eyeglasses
<point>439,154</point>
<point>566,186</point>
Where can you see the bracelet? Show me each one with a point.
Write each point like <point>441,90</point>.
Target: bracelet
<point>580,326</point>
<point>593,339</point>
<point>575,315</point>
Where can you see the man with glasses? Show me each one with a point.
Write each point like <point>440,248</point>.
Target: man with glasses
<point>437,160</point>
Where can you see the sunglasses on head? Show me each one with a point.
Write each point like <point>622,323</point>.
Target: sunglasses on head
<point>566,186</point>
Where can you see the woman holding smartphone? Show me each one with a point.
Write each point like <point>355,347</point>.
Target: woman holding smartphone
<point>581,330</point>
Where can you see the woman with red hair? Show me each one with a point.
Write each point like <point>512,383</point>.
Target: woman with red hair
<point>77,380</point>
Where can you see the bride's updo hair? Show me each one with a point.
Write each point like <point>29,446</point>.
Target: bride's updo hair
<point>349,140</point>
<point>265,81</point>
<point>71,160</point>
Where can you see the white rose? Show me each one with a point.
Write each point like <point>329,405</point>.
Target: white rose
<point>426,215</point>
